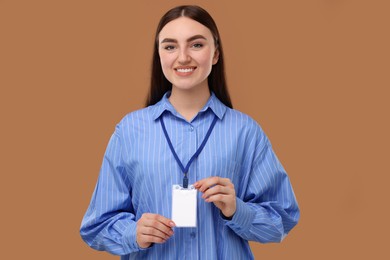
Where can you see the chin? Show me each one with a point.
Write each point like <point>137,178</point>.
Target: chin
<point>185,88</point>
<point>189,86</point>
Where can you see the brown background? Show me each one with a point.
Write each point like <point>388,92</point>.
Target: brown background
<point>314,74</point>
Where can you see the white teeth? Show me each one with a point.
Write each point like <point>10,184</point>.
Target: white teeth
<point>185,70</point>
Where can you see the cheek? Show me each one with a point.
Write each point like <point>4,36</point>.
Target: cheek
<point>206,59</point>
<point>166,65</point>
<point>165,60</point>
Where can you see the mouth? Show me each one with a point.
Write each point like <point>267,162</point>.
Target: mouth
<point>185,70</point>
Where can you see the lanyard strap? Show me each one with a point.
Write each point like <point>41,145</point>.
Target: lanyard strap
<point>185,169</point>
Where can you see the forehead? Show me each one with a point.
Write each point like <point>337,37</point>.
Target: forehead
<point>184,28</point>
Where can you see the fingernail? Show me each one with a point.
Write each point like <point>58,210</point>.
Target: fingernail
<point>172,224</point>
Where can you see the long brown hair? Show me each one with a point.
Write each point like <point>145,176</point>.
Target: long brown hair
<point>159,85</point>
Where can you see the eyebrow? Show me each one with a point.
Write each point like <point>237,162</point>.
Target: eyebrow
<point>192,38</point>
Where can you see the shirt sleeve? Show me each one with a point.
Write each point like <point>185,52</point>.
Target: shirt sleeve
<point>266,204</point>
<point>109,223</point>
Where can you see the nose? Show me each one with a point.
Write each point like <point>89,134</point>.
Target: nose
<point>184,57</point>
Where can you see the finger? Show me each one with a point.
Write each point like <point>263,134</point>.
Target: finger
<point>207,183</point>
<point>217,189</point>
<point>211,182</point>
<point>154,232</point>
<point>157,224</point>
<point>149,217</point>
<point>161,219</point>
<point>145,241</point>
<point>219,198</point>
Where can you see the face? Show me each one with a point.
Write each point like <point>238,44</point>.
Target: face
<point>187,53</point>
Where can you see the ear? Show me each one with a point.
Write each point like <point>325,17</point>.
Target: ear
<point>216,57</point>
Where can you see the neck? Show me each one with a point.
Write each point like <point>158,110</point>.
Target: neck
<point>189,102</point>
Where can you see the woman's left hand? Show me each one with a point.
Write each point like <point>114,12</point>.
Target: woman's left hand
<point>220,191</point>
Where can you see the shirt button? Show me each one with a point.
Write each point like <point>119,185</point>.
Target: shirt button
<point>193,235</point>
<point>191,128</point>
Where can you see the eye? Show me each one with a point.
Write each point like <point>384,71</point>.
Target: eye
<point>169,47</point>
<point>197,45</point>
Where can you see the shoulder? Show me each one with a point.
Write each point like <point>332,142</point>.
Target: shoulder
<point>135,121</point>
<point>244,125</point>
<point>137,116</point>
<point>241,119</point>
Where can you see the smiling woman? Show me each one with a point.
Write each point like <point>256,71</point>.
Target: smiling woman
<point>188,142</point>
<point>187,53</point>
<point>216,80</point>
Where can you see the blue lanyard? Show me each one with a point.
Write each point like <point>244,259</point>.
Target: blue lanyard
<point>185,169</point>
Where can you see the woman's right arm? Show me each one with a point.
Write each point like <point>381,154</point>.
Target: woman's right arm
<point>109,223</point>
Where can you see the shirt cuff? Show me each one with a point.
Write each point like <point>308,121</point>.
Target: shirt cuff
<point>130,238</point>
<point>242,218</point>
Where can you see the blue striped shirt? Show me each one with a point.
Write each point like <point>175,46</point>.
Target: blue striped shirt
<point>138,172</point>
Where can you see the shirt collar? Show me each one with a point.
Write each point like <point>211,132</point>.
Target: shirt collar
<point>214,104</point>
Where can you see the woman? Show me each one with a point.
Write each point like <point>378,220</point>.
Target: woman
<point>188,134</point>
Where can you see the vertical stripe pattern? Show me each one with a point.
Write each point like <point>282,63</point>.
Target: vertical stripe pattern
<point>138,171</point>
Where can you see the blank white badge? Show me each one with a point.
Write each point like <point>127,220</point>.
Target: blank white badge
<point>184,206</point>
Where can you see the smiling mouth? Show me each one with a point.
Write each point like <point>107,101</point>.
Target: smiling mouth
<point>185,70</point>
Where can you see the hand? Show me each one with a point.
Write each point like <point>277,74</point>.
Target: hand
<point>153,228</point>
<point>220,191</point>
